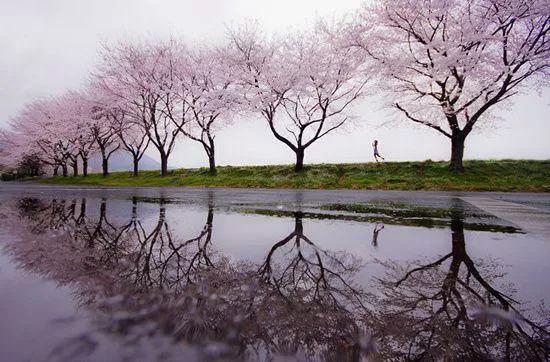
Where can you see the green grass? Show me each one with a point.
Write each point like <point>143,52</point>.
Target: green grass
<point>491,175</point>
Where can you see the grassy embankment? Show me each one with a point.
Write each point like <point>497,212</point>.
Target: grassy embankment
<point>502,175</point>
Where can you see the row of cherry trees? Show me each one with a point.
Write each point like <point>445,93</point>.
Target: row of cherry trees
<point>443,64</point>
<point>151,94</point>
<point>140,95</point>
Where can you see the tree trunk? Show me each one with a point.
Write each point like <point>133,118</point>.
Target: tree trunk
<point>163,164</point>
<point>212,164</point>
<point>56,170</point>
<point>459,245</point>
<point>299,167</point>
<point>75,168</point>
<point>457,152</point>
<point>136,166</point>
<point>85,166</point>
<point>458,255</point>
<point>298,225</point>
<point>211,153</point>
<point>82,210</point>
<point>105,167</point>
<point>64,169</point>
<point>134,208</point>
<point>103,210</point>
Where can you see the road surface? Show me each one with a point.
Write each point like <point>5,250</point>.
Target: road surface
<point>529,211</point>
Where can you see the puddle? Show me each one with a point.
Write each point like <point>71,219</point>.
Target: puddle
<point>154,278</point>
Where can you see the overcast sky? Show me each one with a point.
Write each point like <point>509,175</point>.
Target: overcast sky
<point>48,46</point>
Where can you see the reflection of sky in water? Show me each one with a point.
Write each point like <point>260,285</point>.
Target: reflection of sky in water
<point>40,314</point>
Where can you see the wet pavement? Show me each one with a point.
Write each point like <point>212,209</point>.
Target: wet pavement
<point>528,218</point>
<point>150,274</point>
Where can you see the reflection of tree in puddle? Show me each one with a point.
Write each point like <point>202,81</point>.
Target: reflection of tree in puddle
<point>309,271</point>
<point>139,282</point>
<point>161,261</point>
<point>307,297</point>
<point>430,310</point>
<point>133,278</point>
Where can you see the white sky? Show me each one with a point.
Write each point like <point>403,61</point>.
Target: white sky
<point>48,46</point>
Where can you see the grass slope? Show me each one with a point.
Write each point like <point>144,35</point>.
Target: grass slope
<point>501,175</point>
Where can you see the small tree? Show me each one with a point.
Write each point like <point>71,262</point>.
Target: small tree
<point>30,165</point>
<point>447,64</point>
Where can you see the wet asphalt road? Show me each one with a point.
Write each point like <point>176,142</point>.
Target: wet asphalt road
<point>229,196</point>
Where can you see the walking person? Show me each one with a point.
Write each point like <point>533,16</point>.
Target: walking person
<point>376,153</point>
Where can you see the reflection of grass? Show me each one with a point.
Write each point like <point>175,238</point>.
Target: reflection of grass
<point>420,222</point>
<point>401,210</point>
<point>393,209</point>
<point>504,175</point>
<point>155,200</point>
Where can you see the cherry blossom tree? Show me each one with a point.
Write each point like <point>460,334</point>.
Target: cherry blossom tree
<point>127,101</point>
<point>303,86</point>
<point>145,75</point>
<point>16,154</point>
<point>10,154</point>
<point>211,97</point>
<point>102,122</point>
<point>132,135</point>
<point>40,127</point>
<point>64,127</point>
<point>84,139</point>
<point>75,113</point>
<point>57,130</point>
<point>449,64</point>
